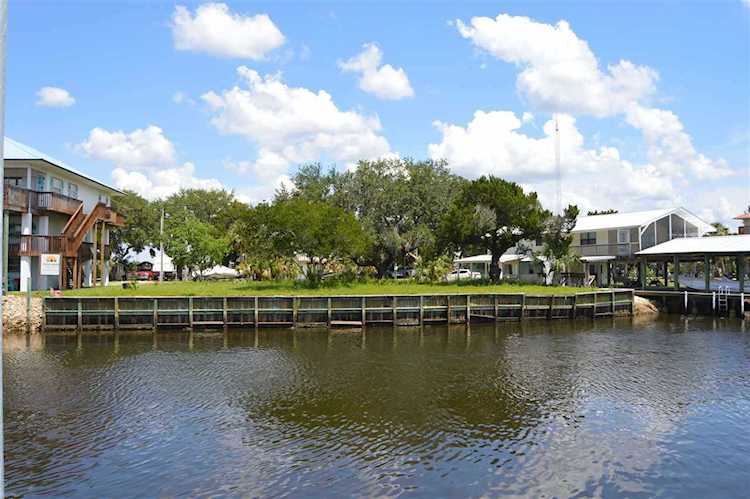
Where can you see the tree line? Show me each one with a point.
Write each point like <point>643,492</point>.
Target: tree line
<point>366,220</point>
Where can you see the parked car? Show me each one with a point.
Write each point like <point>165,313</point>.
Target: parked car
<point>462,275</point>
<point>140,275</point>
<point>402,273</point>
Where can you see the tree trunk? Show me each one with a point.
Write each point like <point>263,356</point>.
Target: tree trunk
<point>495,267</point>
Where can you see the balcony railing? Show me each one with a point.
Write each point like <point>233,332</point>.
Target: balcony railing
<point>20,199</point>
<point>31,245</point>
<point>15,198</point>
<point>624,249</point>
<point>52,201</point>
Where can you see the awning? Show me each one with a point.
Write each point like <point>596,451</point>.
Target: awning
<point>590,259</point>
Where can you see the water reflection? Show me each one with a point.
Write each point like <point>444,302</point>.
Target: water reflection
<point>587,408</point>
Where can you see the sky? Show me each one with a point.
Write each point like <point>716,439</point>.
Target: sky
<point>651,100</point>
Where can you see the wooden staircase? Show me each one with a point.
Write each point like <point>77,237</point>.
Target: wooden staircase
<point>79,224</point>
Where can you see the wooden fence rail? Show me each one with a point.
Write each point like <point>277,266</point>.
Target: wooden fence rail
<point>290,311</point>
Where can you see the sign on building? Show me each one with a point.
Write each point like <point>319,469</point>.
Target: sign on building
<point>50,264</point>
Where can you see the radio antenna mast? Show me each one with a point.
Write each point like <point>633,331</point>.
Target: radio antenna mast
<point>558,173</point>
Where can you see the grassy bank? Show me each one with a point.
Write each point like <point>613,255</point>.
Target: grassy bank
<point>270,288</point>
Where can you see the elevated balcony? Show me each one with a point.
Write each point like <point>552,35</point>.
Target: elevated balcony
<point>621,250</point>
<point>34,245</point>
<point>21,200</point>
<point>31,245</point>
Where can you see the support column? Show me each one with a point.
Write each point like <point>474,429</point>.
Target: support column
<point>105,277</point>
<point>43,230</point>
<point>741,272</point>
<point>93,260</point>
<point>25,273</point>
<point>666,274</point>
<point>642,273</point>
<point>86,273</point>
<point>707,271</point>
<point>676,279</point>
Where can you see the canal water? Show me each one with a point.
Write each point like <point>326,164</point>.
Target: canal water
<point>606,408</point>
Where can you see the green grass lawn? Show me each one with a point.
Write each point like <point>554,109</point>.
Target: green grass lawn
<point>271,288</point>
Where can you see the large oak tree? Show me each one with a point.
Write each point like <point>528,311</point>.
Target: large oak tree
<point>492,215</point>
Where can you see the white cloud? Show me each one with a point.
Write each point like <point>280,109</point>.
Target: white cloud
<point>382,80</point>
<point>265,191</point>
<point>145,162</point>
<point>559,72</point>
<point>669,147</point>
<point>292,125</point>
<point>161,183</point>
<point>54,97</point>
<point>215,30</point>
<point>491,144</point>
<point>143,147</point>
<point>180,97</point>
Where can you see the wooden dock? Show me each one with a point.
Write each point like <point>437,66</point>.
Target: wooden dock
<point>699,302</point>
<point>79,313</point>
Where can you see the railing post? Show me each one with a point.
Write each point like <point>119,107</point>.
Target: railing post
<point>364,310</point>
<point>395,310</point>
<point>190,312</point>
<point>551,305</point>
<point>328,312</point>
<point>523,307</point>
<point>467,318</point>
<point>448,309</point>
<point>255,312</point>
<point>80,314</point>
<point>575,305</point>
<point>224,309</point>
<point>155,318</point>
<point>117,312</point>
<point>497,311</point>
<point>295,310</point>
<point>421,309</point>
<point>613,303</point>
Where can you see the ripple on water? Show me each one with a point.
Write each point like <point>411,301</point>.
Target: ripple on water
<point>520,410</point>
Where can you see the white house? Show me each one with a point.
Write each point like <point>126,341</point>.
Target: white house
<point>515,265</point>
<point>56,222</point>
<point>607,244</point>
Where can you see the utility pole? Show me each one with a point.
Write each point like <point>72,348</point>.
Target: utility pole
<point>558,173</point>
<point>3,31</point>
<point>161,247</point>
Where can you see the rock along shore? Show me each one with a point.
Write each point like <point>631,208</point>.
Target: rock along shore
<point>14,314</point>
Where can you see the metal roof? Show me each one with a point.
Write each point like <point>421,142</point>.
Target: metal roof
<point>701,245</point>
<point>14,150</point>
<point>635,219</point>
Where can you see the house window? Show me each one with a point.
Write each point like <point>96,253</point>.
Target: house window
<point>588,238</point>
<point>623,236</point>
<point>57,185</point>
<point>73,190</point>
<point>40,180</point>
<point>17,181</point>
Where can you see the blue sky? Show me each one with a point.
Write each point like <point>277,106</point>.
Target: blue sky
<point>673,127</point>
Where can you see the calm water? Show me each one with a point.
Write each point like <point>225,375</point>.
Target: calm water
<point>586,409</point>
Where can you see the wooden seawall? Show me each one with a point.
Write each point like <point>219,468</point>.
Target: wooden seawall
<point>291,311</point>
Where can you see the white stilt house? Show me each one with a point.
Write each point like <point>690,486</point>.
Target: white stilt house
<point>56,223</point>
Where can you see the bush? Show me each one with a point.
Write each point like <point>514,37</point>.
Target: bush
<point>432,270</point>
